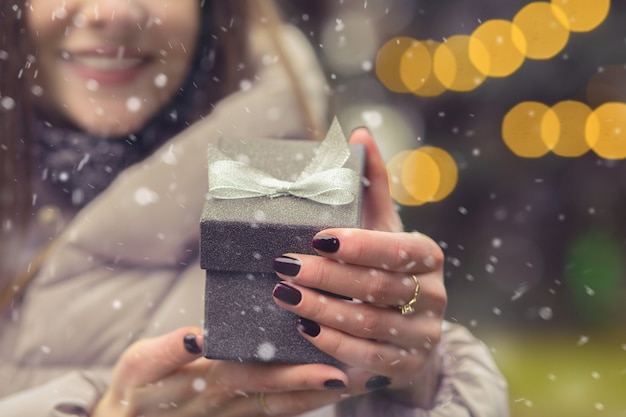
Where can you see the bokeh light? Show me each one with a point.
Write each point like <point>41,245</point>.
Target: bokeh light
<point>606,131</point>
<point>448,170</point>
<point>420,176</point>
<point>432,86</point>
<point>454,68</point>
<point>522,129</point>
<point>396,188</point>
<point>545,28</point>
<point>497,48</point>
<point>569,138</point>
<point>416,66</point>
<point>505,44</point>
<point>584,15</point>
<point>387,63</point>
<point>568,129</point>
<point>425,175</point>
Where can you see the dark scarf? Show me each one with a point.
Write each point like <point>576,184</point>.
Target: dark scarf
<point>80,165</point>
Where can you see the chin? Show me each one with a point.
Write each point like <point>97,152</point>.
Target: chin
<point>112,127</point>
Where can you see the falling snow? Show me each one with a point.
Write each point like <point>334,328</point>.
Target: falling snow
<point>7,103</point>
<point>199,385</point>
<point>59,13</point>
<point>145,196</point>
<point>92,85</point>
<point>266,351</point>
<point>160,80</point>
<point>545,313</point>
<point>133,104</point>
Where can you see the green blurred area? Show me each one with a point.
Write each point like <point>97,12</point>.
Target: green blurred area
<point>562,372</point>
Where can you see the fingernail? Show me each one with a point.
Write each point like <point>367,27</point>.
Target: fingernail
<point>287,294</point>
<point>360,127</point>
<point>325,243</point>
<point>191,344</point>
<point>287,265</point>
<point>377,382</point>
<point>334,384</point>
<point>308,327</point>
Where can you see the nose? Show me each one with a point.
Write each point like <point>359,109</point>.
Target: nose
<point>114,16</point>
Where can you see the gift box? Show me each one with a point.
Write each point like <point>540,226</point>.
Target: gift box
<point>268,197</point>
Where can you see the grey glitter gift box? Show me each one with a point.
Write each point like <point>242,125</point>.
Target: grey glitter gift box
<point>268,197</point>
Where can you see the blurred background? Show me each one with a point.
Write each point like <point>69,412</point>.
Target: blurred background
<point>503,124</point>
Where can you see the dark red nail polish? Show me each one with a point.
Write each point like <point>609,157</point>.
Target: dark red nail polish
<point>325,243</point>
<point>191,344</point>
<point>287,294</point>
<point>287,265</point>
<point>308,327</point>
<point>334,384</point>
<point>377,382</point>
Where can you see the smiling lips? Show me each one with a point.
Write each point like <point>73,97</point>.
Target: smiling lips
<point>107,66</point>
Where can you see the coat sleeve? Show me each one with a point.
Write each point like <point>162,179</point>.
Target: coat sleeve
<point>73,394</point>
<point>471,384</point>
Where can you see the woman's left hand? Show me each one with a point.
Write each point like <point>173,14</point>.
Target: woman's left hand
<point>379,270</point>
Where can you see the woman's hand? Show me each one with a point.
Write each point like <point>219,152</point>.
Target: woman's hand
<point>166,377</point>
<point>382,348</point>
<point>380,269</point>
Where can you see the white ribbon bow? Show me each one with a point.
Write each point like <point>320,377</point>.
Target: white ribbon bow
<point>323,180</point>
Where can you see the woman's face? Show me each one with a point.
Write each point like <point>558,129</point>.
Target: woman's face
<point>110,65</point>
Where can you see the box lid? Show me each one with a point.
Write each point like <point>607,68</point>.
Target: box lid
<point>246,234</point>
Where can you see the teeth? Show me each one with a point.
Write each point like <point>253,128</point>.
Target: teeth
<point>107,63</point>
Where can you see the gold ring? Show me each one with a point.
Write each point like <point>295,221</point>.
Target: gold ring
<point>260,402</point>
<point>409,308</point>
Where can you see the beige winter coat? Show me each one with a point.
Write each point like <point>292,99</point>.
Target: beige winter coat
<point>126,268</point>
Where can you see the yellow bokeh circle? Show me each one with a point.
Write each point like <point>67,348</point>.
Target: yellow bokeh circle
<point>431,87</point>
<point>388,63</point>
<point>505,44</point>
<point>416,65</point>
<point>584,15</point>
<point>523,129</point>
<point>448,170</point>
<point>425,175</point>
<point>454,68</point>
<point>605,131</point>
<point>569,139</point>
<point>420,176</point>
<point>545,28</point>
<point>394,174</point>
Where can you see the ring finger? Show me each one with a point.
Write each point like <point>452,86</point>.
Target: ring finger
<point>359,282</point>
<point>360,320</point>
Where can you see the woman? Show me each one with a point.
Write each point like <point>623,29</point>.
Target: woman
<point>102,187</point>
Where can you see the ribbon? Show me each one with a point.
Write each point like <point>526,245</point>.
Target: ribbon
<point>323,180</point>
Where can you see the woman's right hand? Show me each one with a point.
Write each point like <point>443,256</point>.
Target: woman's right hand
<point>161,377</point>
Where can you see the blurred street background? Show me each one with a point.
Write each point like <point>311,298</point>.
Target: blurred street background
<point>504,127</point>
